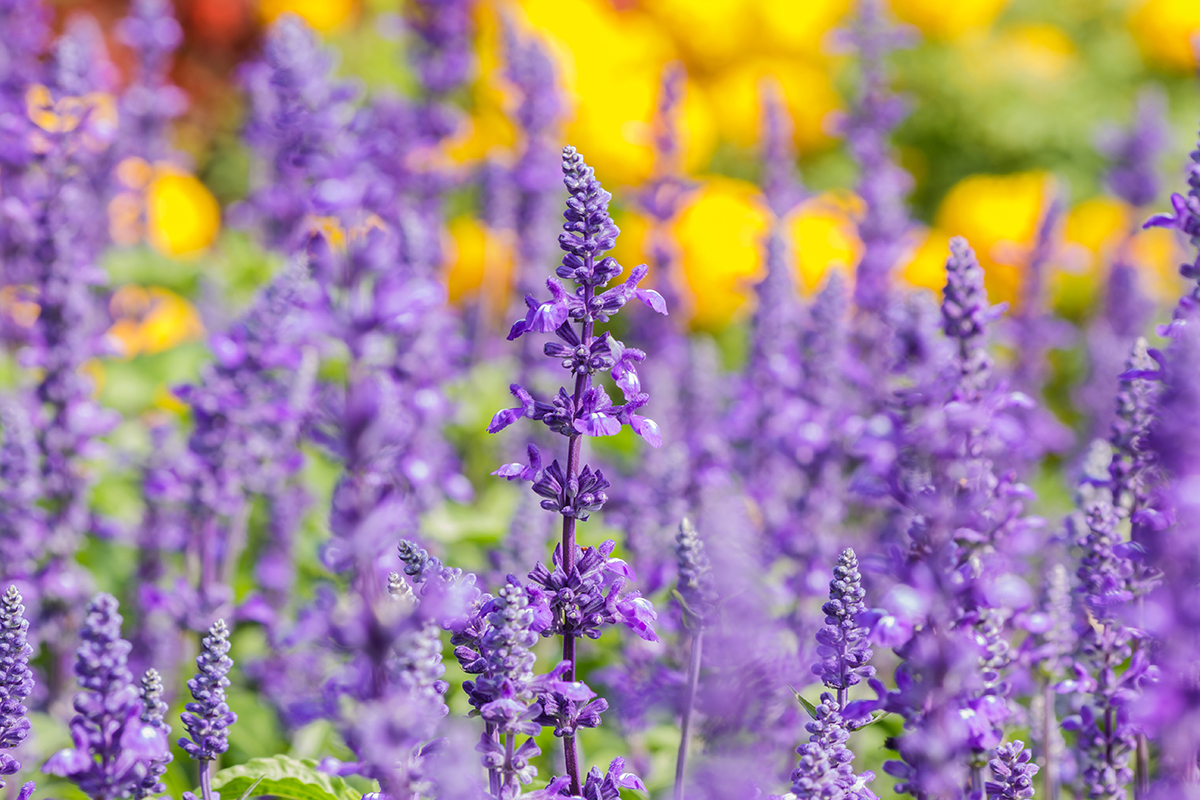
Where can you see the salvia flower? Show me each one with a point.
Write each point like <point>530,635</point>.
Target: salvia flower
<point>1133,154</point>
<point>844,647</point>
<point>1185,217</point>
<point>115,750</point>
<point>207,718</point>
<point>1013,772</point>
<point>154,714</point>
<point>825,768</point>
<point>883,184</point>
<point>16,680</point>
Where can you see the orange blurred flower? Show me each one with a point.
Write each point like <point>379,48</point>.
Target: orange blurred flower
<point>151,320</point>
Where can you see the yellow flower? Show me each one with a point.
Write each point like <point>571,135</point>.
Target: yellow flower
<point>182,216</point>
<point>927,267</point>
<point>18,304</point>
<point>809,94</point>
<point>479,261</point>
<point>939,19</point>
<point>1165,31</point>
<point>712,33</point>
<point>614,96</point>
<point>800,27</point>
<point>824,237</point>
<point>151,320</point>
<point>1039,51</point>
<point>324,15</point>
<point>720,235</point>
<point>998,214</point>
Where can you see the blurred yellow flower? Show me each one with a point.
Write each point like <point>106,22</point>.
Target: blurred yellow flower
<point>997,214</point>
<point>807,89</point>
<point>720,234</point>
<point>1165,32</point>
<point>824,238</point>
<point>1039,51</point>
<point>712,33</point>
<point>800,27</point>
<point>151,320</point>
<point>614,96</point>
<point>479,262</point>
<point>939,19</point>
<point>182,216</point>
<point>92,368</point>
<point>1094,228</point>
<point>324,15</point>
<point>1157,254</point>
<point>927,267</point>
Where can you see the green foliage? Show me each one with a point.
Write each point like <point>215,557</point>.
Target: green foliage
<point>283,777</point>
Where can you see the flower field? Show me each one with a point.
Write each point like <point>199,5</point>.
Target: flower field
<point>599,399</point>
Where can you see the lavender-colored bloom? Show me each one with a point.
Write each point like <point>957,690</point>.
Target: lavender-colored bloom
<point>1132,468</point>
<point>845,650</point>
<point>114,749</point>
<point>1185,217</point>
<point>534,177</point>
<point>825,767</point>
<point>965,316</point>
<point>208,718</point>
<point>697,582</point>
<point>882,183</point>
<point>1013,771</point>
<point>154,714</point>
<point>20,489</point>
<point>1133,153</point>
<point>27,29</point>
<point>298,123</point>
<point>150,102</point>
<point>442,56</point>
<point>1170,707</point>
<point>580,575</point>
<point>16,680</point>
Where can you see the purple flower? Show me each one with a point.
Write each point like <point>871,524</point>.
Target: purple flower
<point>1133,154</point>
<point>208,718</point>
<point>587,595</point>
<point>154,715</point>
<point>115,751</point>
<point>1013,773</point>
<point>16,679</point>
<point>825,768</point>
<point>965,316</point>
<point>844,648</point>
<point>150,102</point>
<point>882,183</point>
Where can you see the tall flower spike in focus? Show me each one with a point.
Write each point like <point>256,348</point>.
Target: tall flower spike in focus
<point>154,714</point>
<point>115,750</point>
<point>16,680</point>
<point>1184,217</point>
<point>208,718</point>
<point>825,768</point>
<point>574,493</point>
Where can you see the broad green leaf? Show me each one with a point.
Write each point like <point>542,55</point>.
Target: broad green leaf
<point>282,776</point>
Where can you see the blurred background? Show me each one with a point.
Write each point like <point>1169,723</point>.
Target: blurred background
<point>1007,102</point>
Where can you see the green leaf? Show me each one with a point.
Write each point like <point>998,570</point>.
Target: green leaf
<point>809,707</point>
<point>282,776</point>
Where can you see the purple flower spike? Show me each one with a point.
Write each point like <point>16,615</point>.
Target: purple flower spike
<point>115,750</point>
<point>965,316</point>
<point>844,647</point>
<point>1133,154</point>
<point>1014,774</point>
<point>154,715</point>
<point>16,680</point>
<point>207,720</point>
